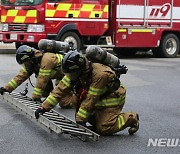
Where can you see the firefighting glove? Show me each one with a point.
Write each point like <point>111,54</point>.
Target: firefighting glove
<point>40,111</point>
<point>123,69</point>
<point>37,100</point>
<point>2,90</point>
<point>82,123</point>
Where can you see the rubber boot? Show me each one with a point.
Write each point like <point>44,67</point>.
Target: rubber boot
<point>133,123</point>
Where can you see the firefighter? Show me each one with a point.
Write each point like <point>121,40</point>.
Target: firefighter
<point>45,65</point>
<point>101,101</point>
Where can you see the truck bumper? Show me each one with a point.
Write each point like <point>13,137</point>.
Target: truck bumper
<point>9,37</point>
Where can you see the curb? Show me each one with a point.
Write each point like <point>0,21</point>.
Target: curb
<point>8,48</point>
<point>7,51</point>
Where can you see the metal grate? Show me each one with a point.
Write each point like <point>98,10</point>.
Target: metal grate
<point>18,27</point>
<point>52,121</point>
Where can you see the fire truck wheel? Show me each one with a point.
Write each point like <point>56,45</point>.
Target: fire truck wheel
<point>73,39</point>
<point>169,46</point>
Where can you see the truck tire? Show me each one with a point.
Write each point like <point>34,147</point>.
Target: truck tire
<point>72,38</point>
<point>169,46</point>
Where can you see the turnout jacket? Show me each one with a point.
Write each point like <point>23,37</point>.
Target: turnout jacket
<point>49,67</point>
<point>97,91</point>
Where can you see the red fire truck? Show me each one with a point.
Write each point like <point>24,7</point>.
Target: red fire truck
<point>77,21</point>
<point>144,25</point>
<point>0,20</point>
<point>125,25</point>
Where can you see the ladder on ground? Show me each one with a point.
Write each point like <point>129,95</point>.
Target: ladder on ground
<point>52,121</point>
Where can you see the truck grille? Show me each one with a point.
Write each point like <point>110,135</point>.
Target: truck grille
<point>18,27</point>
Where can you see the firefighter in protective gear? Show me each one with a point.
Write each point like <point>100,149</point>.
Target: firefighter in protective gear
<point>100,104</point>
<point>45,66</point>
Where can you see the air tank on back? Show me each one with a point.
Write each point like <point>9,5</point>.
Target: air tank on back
<point>53,46</point>
<point>97,54</point>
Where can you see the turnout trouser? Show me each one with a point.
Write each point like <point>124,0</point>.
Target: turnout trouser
<point>109,120</point>
<point>65,102</point>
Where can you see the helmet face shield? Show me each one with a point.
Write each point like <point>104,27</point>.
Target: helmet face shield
<point>73,62</point>
<point>23,59</point>
<point>70,67</point>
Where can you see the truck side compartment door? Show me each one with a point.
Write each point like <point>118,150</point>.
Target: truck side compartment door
<point>159,13</point>
<point>130,14</point>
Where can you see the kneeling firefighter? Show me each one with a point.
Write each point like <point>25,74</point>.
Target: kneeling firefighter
<point>101,94</point>
<point>45,65</point>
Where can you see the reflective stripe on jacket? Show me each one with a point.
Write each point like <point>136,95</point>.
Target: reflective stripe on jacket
<point>83,113</point>
<point>109,102</point>
<point>101,76</point>
<point>50,68</point>
<point>58,94</point>
<point>121,121</point>
<point>52,100</point>
<point>66,81</point>
<point>17,80</point>
<point>113,99</point>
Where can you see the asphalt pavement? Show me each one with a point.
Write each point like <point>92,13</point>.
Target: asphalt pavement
<point>152,91</point>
